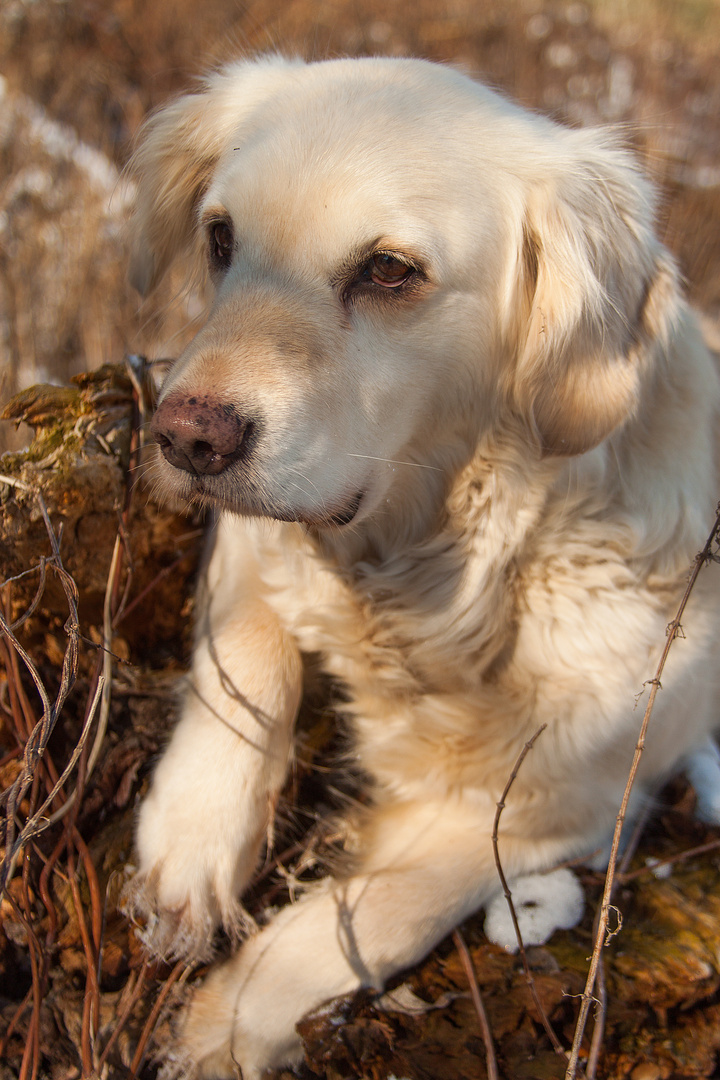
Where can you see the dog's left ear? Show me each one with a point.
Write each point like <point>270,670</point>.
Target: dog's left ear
<point>595,287</point>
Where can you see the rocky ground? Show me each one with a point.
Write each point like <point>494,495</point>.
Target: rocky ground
<point>77,997</point>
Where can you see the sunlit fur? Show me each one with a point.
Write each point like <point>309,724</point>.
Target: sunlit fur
<point>531,430</point>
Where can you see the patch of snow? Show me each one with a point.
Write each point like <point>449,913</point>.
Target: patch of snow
<point>543,904</point>
<point>702,768</point>
<point>660,870</point>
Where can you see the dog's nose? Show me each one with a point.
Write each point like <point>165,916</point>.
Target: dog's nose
<point>201,435</point>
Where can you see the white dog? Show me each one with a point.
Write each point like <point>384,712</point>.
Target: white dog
<point>459,422</point>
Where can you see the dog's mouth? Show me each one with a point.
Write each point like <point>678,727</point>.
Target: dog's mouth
<point>349,513</point>
<point>247,502</point>
<point>318,519</point>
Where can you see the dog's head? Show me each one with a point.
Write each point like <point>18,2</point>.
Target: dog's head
<point>401,260</point>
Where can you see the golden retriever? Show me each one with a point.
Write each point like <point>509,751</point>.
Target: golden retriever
<point>458,421</point>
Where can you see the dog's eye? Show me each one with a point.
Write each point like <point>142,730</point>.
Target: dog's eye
<point>387,270</point>
<point>384,277</point>
<point>222,242</point>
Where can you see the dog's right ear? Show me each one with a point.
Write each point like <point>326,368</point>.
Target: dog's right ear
<point>595,293</point>
<point>176,153</point>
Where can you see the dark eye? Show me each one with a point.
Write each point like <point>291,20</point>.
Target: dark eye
<point>387,270</point>
<point>383,277</point>
<point>222,243</point>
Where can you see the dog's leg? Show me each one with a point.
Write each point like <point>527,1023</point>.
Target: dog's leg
<point>427,867</point>
<point>203,822</point>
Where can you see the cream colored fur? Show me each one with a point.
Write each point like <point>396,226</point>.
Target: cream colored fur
<point>530,427</point>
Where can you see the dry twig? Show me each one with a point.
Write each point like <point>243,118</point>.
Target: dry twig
<point>179,973</point>
<point>37,741</point>
<point>674,629</point>
<point>466,960</point>
<point>557,1046</point>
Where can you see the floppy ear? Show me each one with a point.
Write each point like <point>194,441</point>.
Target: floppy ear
<point>171,166</point>
<point>176,154</point>
<point>593,279</point>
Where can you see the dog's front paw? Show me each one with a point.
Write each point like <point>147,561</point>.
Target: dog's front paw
<point>200,831</point>
<point>244,1015</point>
<point>181,929</point>
<point>194,859</point>
<point>228,1027</point>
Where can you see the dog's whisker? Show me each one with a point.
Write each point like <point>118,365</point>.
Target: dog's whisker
<point>307,481</point>
<point>142,469</point>
<point>394,461</point>
<point>300,488</point>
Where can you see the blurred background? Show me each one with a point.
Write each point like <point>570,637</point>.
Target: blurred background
<point>78,76</point>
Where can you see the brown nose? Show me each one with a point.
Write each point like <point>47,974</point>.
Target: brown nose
<point>201,435</point>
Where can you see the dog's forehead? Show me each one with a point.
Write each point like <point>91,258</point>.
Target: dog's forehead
<point>334,156</point>
<point>331,162</point>
<point>321,202</point>
<point>381,103</point>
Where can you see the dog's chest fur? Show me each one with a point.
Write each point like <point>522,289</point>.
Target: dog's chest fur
<point>414,635</point>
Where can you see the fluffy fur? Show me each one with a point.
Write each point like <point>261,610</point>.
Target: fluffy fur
<point>474,485</point>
